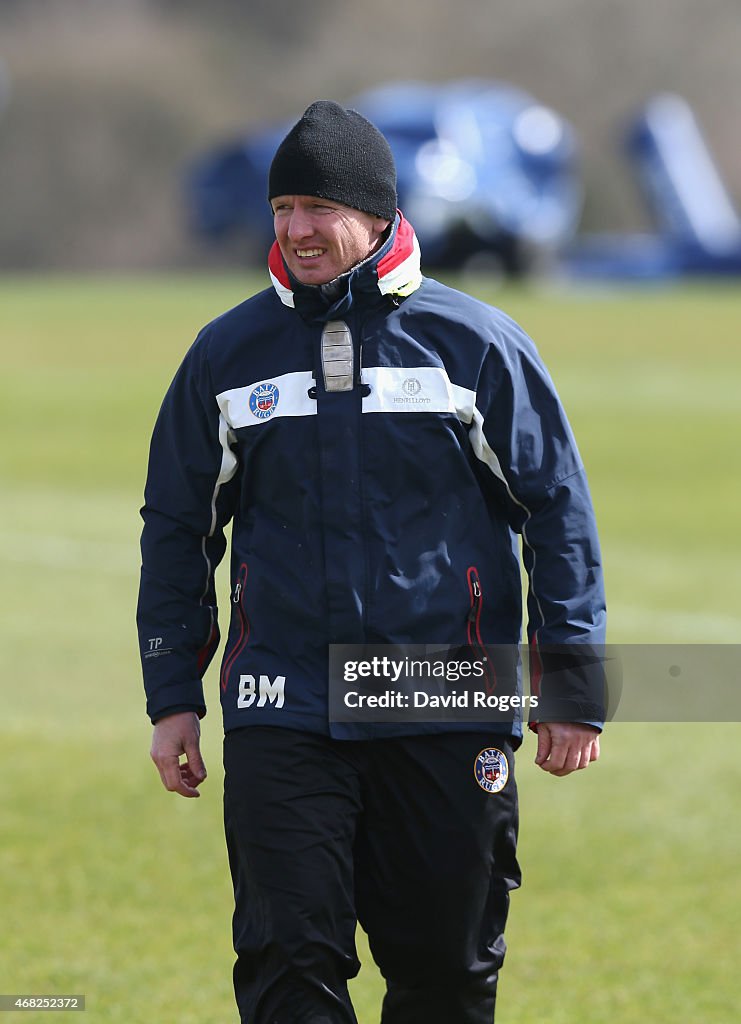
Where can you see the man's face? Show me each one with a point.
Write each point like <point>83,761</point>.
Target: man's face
<point>321,239</point>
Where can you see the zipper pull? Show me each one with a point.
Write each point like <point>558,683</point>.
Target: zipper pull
<point>476,591</point>
<point>237,593</point>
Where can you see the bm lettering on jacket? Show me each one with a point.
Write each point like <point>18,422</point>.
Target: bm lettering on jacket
<point>265,692</point>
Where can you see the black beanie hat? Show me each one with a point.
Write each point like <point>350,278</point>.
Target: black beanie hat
<point>336,154</point>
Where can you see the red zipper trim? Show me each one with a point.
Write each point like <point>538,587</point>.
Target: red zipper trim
<point>473,627</point>
<point>244,627</point>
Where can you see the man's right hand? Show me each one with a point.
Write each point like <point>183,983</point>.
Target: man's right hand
<point>175,735</point>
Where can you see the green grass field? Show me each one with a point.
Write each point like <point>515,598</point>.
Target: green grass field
<point>111,887</point>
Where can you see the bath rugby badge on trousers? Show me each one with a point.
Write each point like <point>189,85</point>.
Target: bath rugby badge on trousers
<point>264,400</point>
<point>491,770</point>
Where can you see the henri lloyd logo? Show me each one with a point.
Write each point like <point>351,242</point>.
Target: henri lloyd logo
<point>264,400</point>
<point>412,393</point>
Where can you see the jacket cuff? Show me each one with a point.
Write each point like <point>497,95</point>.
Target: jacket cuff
<point>157,716</point>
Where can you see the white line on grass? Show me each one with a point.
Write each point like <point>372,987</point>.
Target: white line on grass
<point>682,626</point>
<point>53,552</point>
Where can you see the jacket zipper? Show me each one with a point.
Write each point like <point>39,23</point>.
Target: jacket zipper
<point>244,627</point>
<point>473,627</point>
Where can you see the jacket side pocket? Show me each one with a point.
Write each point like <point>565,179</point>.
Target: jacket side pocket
<point>473,628</point>
<point>244,627</point>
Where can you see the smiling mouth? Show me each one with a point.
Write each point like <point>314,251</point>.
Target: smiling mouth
<point>307,253</point>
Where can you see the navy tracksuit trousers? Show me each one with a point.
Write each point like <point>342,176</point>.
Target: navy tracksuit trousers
<point>395,833</point>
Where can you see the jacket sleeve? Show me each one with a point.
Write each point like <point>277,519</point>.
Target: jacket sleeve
<point>520,431</point>
<point>188,500</point>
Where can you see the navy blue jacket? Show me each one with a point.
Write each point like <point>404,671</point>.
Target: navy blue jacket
<point>387,513</point>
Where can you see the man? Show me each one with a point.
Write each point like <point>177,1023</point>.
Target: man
<point>378,440</point>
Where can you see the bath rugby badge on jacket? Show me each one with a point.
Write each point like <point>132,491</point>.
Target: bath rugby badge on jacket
<point>491,770</point>
<point>264,400</point>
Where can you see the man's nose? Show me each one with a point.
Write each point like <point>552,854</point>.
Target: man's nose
<point>300,225</point>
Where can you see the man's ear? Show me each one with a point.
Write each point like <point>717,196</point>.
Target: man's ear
<point>380,226</point>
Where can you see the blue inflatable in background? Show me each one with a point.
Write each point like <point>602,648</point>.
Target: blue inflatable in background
<point>696,228</point>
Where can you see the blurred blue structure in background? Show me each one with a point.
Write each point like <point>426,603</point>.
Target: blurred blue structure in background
<point>483,169</point>
<point>698,229</point>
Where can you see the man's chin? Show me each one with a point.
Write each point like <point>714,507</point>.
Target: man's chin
<point>311,274</point>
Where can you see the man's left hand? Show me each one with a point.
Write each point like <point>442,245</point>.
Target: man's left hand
<point>563,747</point>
